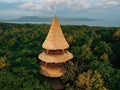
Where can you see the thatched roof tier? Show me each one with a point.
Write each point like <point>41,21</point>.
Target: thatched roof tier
<point>51,72</point>
<point>55,38</point>
<point>59,58</point>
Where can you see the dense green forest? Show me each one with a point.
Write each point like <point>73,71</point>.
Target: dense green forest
<point>95,66</point>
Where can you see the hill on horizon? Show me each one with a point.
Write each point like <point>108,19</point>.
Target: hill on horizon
<point>47,19</point>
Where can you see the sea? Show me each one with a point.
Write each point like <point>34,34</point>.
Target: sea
<point>102,23</point>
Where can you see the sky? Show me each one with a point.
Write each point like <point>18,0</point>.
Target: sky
<point>95,9</point>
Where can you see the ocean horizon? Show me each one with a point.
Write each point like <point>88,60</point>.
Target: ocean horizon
<point>102,23</point>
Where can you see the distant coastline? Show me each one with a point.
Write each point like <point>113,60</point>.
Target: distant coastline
<point>46,19</point>
<point>63,21</point>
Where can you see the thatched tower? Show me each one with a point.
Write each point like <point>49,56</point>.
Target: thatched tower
<point>55,53</point>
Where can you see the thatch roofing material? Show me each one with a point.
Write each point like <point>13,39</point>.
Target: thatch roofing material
<point>55,38</point>
<point>50,72</point>
<point>59,58</point>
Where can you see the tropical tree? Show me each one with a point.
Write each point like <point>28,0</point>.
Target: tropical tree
<point>116,35</point>
<point>3,63</point>
<point>90,80</point>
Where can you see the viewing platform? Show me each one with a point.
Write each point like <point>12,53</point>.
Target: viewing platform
<point>52,69</point>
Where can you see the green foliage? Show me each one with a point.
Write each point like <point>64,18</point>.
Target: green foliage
<point>96,53</point>
<point>93,49</point>
<point>116,61</point>
<point>70,39</point>
<point>85,53</point>
<point>102,48</point>
<point>116,35</point>
<point>3,63</point>
<point>23,80</point>
<point>110,75</point>
<point>70,72</point>
<point>90,80</point>
<point>19,48</point>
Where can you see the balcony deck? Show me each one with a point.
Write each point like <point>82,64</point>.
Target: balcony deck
<point>58,58</point>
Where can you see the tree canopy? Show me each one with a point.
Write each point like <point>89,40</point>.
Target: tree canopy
<point>95,66</point>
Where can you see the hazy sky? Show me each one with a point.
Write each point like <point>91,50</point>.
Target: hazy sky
<point>96,9</point>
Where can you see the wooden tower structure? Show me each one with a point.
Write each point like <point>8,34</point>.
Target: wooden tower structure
<point>55,54</point>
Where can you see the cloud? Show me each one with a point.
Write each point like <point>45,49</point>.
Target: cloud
<point>61,5</point>
<point>9,1</point>
<point>108,3</point>
<point>29,5</point>
<point>34,6</point>
<point>72,8</point>
<point>112,3</point>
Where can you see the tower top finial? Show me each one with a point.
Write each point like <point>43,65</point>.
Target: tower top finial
<point>55,7</point>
